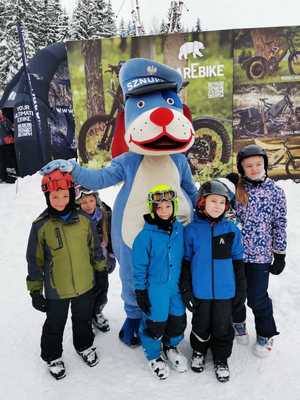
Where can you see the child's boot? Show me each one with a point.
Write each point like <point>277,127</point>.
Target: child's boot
<point>159,368</point>
<point>263,346</point>
<point>176,359</point>
<point>198,361</point>
<point>101,323</point>
<point>57,368</point>
<point>240,332</point>
<point>222,371</point>
<point>89,356</point>
<point>129,332</point>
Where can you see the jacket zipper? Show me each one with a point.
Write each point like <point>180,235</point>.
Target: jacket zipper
<point>212,263</point>
<point>72,272</point>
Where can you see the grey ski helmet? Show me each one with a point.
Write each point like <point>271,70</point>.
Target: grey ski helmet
<point>250,151</point>
<point>214,187</point>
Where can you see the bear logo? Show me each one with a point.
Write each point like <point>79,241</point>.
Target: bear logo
<point>191,48</point>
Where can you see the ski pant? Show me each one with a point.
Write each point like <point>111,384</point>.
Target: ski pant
<point>8,163</point>
<point>53,329</point>
<point>101,297</point>
<point>258,300</point>
<point>166,322</point>
<point>212,327</point>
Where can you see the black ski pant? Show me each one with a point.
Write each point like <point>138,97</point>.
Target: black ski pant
<point>258,300</point>
<point>101,296</point>
<point>57,314</point>
<point>212,327</point>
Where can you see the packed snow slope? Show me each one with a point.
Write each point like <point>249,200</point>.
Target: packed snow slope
<point>123,373</point>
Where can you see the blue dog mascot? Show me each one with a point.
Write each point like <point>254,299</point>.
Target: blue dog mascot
<point>157,132</point>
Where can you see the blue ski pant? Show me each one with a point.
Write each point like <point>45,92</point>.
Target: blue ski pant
<point>166,322</point>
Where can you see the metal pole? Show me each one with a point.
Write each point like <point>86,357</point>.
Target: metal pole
<point>32,96</point>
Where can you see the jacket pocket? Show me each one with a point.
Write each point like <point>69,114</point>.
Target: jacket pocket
<point>222,245</point>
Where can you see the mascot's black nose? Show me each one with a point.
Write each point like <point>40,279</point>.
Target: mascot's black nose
<point>161,116</point>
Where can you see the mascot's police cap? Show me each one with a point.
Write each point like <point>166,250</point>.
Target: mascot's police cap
<point>140,75</point>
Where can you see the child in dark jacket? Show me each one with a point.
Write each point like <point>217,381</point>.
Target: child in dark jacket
<point>261,209</point>
<point>213,278</point>
<point>66,263</point>
<point>157,257</point>
<point>100,213</point>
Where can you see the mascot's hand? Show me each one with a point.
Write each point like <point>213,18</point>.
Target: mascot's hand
<point>62,165</point>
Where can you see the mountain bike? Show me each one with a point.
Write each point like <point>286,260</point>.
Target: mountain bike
<point>267,118</point>
<point>258,67</point>
<point>97,132</point>
<point>283,151</point>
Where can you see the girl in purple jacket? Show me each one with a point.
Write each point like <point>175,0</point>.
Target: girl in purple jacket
<point>261,209</point>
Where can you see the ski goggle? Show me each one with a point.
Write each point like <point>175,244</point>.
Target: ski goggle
<point>82,191</point>
<point>57,181</point>
<point>158,197</point>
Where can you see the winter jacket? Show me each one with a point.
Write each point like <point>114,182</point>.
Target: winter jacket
<point>211,249</point>
<point>62,255</point>
<point>263,222</point>
<point>157,256</point>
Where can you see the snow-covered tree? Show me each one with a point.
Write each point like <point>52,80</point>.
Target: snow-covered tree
<point>163,27</point>
<point>110,20</point>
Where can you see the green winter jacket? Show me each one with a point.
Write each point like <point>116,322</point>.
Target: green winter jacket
<point>63,255</point>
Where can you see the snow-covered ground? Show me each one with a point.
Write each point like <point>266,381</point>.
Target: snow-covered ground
<point>123,373</point>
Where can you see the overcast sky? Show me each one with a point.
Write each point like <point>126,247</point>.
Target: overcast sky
<point>214,14</point>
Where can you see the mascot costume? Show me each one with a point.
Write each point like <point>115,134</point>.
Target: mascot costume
<point>152,132</point>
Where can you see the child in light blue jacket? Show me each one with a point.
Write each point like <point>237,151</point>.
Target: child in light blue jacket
<point>157,258</point>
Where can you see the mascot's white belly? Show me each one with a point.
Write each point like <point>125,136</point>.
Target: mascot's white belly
<point>151,172</point>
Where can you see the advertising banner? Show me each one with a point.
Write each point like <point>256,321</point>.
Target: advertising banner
<point>242,87</point>
<point>206,65</point>
<point>266,100</point>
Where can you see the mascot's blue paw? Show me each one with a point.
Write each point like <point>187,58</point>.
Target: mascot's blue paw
<point>129,333</point>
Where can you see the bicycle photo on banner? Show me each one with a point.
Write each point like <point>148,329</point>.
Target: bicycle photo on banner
<point>203,59</point>
<point>266,100</point>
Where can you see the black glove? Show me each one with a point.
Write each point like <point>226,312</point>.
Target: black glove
<point>240,284</point>
<point>101,280</point>
<point>111,263</point>
<point>233,177</point>
<point>185,285</point>
<point>143,301</point>
<point>278,264</point>
<point>38,301</point>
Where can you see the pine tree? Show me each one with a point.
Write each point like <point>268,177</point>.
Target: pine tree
<point>110,20</point>
<point>81,20</point>
<point>198,26</point>
<point>98,19</point>
<point>163,27</point>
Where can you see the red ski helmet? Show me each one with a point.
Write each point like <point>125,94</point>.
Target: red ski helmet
<point>57,180</point>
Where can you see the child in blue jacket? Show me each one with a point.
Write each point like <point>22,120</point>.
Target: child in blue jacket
<point>213,278</point>
<point>157,259</point>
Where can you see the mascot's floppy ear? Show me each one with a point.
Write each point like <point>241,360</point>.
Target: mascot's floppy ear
<point>119,145</point>
<point>187,113</point>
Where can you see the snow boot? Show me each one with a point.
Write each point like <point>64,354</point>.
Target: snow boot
<point>159,368</point>
<point>263,346</point>
<point>222,371</point>
<point>57,368</point>
<point>198,361</point>
<point>129,333</point>
<point>240,333</point>
<point>89,356</point>
<point>101,323</point>
<point>176,359</point>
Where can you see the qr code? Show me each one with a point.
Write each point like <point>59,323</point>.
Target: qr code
<point>215,89</point>
<point>25,129</point>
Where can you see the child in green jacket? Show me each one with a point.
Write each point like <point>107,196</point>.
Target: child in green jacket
<point>65,262</point>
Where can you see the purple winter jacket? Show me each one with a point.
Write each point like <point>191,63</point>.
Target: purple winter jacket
<point>263,222</point>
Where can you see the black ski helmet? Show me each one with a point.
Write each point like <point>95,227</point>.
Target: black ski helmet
<point>214,187</point>
<point>250,151</point>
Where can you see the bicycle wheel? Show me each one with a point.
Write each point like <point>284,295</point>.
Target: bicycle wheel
<point>256,68</point>
<point>292,167</point>
<point>294,63</point>
<point>207,127</point>
<point>90,135</point>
